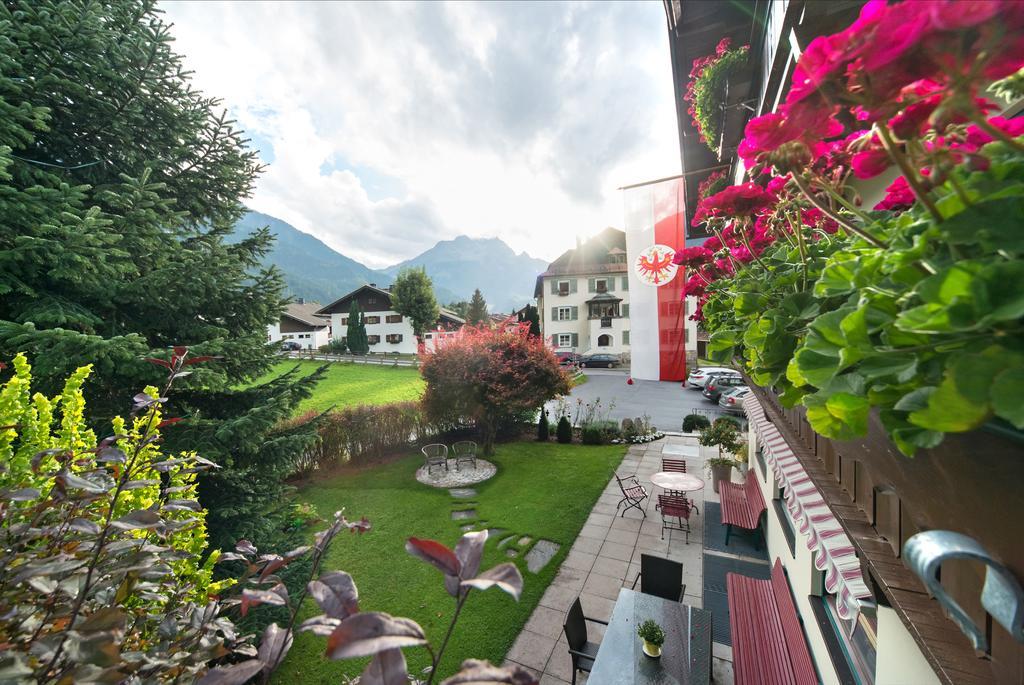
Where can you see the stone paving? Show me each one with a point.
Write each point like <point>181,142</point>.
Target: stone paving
<point>606,558</point>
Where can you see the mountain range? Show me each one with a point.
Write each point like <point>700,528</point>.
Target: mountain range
<point>315,271</point>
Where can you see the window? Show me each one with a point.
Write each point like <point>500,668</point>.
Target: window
<point>394,338</point>
<point>371,319</point>
<point>344,321</point>
<point>565,339</point>
<point>604,340</point>
<point>373,339</point>
<point>625,310</point>
<point>625,282</point>
<point>393,318</point>
<point>782,513</point>
<point>852,643</point>
<point>371,300</point>
<point>601,285</point>
<point>564,314</point>
<point>563,287</point>
<point>625,337</point>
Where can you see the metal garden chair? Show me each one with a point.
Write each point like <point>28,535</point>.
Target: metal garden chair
<point>633,495</point>
<point>674,507</point>
<point>582,651</point>
<point>464,451</point>
<point>435,454</point>
<point>661,578</point>
<point>678,466</point>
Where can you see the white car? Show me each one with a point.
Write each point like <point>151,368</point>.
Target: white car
<point>698,377</point>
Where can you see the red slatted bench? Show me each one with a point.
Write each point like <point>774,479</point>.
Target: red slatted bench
<point>742,505</point>
<point>768,643</point>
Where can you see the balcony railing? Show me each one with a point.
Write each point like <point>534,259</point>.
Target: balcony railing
<point>606,322</point>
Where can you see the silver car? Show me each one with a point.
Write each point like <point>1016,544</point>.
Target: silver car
<point>698,377</point>
<point>732,399</point>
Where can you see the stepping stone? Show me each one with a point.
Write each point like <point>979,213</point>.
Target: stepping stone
<point>510,553</point>
<point>494,533</point>
<point>543,552</point>
<point>506,541</point>
<point>463,514</point>
<point>462,493</point>
<point>524,541</point>
<point>468,527</point>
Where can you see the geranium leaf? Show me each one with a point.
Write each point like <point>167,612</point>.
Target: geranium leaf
<point>1008,396</point>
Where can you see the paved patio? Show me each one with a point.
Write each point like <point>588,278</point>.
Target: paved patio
<point>606,557</point>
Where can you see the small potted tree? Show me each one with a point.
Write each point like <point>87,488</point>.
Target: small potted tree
<point>724,435</point>
<point>653,637</point>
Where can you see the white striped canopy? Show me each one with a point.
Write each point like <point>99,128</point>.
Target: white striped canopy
<point>833,552</point>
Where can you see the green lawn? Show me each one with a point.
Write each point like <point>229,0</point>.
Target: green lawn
<point>540,490</point>
<point>348,384</point>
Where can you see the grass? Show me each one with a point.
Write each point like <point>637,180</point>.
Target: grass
<point>348,384</point>
<point>541,490</point>
<point>579,380</point>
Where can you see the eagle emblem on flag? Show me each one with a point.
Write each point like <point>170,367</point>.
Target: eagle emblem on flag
<point>654,265</point>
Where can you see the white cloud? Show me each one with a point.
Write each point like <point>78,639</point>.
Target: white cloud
<point>395,125</point>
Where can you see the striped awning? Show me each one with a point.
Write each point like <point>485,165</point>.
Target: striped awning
<point>834,553</point>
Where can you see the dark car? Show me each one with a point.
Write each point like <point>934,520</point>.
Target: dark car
<point>713,388</point>
<point>609,361</point>
<point>290,346</point>
<point>568,358</point>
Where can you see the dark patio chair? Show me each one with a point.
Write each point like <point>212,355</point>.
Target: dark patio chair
<point>465,452</point>
<point>661,578</point>
<point>435,454</point>
<point>633,494</point>
<point>674,507</point>
<point>582,651</point>
<point>677,466</point>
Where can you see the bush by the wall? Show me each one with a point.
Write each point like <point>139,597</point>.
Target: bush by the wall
<point>542,427</point>
<point>564,431</point>
<point>592,435</point>
<point>336,346</point>
<point>694,422</point>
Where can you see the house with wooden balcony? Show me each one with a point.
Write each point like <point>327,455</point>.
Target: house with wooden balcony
<point>838,515</point>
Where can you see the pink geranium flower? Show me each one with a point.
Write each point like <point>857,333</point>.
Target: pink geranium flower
<point>693,256</point>
<point>870,162</point>
<point>897,196</point>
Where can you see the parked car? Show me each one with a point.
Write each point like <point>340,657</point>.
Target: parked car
<point>732,399</point>
<point>290,345</point>
<point>714,388</point>
<point>698,377</point>
<point>568,358</point>
<point>606,360</point>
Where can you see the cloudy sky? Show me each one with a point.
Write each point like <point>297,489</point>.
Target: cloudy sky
<point>387,127</point>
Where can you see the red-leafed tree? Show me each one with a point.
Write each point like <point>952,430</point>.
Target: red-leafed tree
<point>491,377</point>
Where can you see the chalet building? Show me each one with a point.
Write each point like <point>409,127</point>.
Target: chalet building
<point>583,297</point>
<point>838,513</point>
<point>386,330</point>
<point>301,323</point>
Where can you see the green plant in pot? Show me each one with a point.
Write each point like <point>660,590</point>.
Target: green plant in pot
<point>653,637</point>
<point>725,436</point>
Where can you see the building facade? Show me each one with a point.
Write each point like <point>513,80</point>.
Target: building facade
<point>387,331</point>
<point>301,323</point>
<point>583,297</point>
<point>839,513</point>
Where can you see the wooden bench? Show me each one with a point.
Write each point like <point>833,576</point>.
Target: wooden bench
<point>768,643</point>
<point>742,505</point>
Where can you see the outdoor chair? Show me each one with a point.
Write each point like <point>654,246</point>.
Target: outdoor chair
<point>582,651</point>
<point>661,578</point>
<point>435,454</point>
<point>674,507</point>
<point>678,466</point>
<point>633,495</point>
<point>465,452</point>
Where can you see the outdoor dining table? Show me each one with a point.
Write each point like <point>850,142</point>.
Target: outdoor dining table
<point>685,656</point>
<point>677,482</point>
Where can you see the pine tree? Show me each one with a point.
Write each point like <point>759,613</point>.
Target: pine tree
<point>412,295</point>
<point>118,185</point>
<point>477,313</point>
<point>355,334</point>
<point>531,314</point>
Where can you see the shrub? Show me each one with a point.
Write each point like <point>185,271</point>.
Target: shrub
<point>564,431</point>
<point>335,346</point>
<point>542,427</point>
<point>489,378</point>
<point>592,435</point>
<point>721,434</point>
<point>695,422</point>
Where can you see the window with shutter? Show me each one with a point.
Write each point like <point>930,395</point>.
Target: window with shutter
<point>625,337</point>
<point>554,287</point>
<point>591,285</point>
<point>572,286</point>
<point>554,313</point>
<point>575,339</point>
<point>575,314</point>
<point>625,282</point>
<point>625,310</point>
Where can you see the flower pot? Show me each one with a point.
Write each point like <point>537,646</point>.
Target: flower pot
<point>720,473</point>
<point>651,649</point>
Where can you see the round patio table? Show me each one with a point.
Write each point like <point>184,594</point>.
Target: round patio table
<point>678,482</point>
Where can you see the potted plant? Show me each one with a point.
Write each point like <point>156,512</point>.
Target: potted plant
<point>653,637</point>
<point>724,435</point>
<point>740,456</point>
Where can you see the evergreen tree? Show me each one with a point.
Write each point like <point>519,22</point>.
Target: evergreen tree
<point>118,185</point>
<point>412,295</point>
<point>531,314</point>
<point>477,313</point>
<point>355,334</point>
<point>461,308</point>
